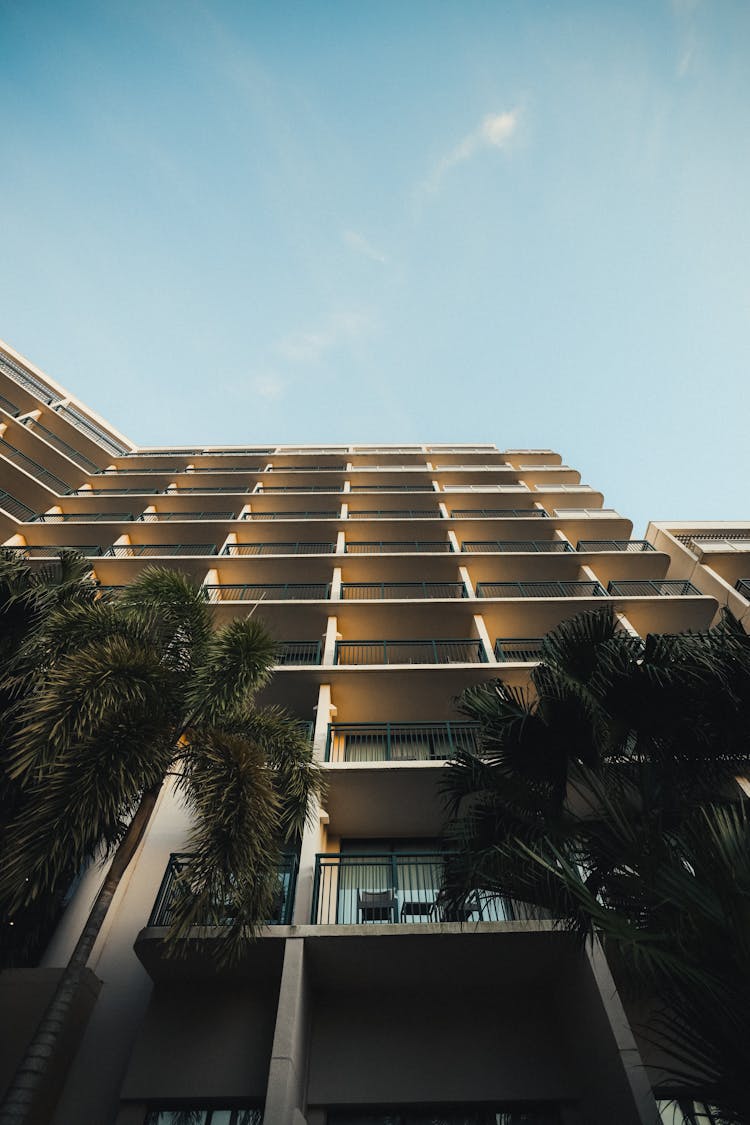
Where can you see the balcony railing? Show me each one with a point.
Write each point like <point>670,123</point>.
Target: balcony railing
<point>392,488</point>
<point>366,591</point>
<point>16,508</point>
<point>399,742</point>
<point>99,492</point>
<point>175,885</point>
<point>297,488</point>
<point>410,652</point>
<point>329,515</point>
<point>300,547</point>
<point>742,586</point>
<point>485,488</point>
<point>267,592</point>
<point>551,589</point>
<point>299,653</point>
<point>157,550</point>
<point>629,546</point>
<point>89,550</point>
<point>498,514</point>
<point>652,587</point>
<point>83,517</point>
<point>29,465</point>
<point>306,469</point>
<point>511,546</point>
<point>395,514</point>
<point>91,430</point>
<point>397,547</point>
<point>525,650</point>
<point>25,380</point>
<point>157,517</point>
<point>9,407</point>
<point>396,887</point>
<point>58,443</point>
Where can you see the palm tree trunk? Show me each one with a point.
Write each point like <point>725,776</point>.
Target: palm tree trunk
<point>31,1076</point>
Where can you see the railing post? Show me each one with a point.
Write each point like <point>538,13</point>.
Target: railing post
<point>388,742</point>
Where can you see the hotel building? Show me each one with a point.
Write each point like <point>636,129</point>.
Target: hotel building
<point>393,577</point>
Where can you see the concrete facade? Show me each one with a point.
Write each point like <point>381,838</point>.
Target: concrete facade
<point>395,577</point>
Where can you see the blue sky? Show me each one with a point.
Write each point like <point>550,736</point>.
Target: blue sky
<point>521,222</point>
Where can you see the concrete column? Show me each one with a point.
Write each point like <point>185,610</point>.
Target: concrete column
<point>331,635</point>
<point>464,574</point>
<point>453,540</point>
<point>436,485</point>
<point>347,486</point>
<point>341,543</point>
<point>484,637</point>
<point>445,514</point>
<point>336,584</point>
<point>625,625</point>
<point>287,1074</point>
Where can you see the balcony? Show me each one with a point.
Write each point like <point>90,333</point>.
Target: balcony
<point>402,591</point>
<point>329,515</point>
<point>469,651</point>
<point>173,886</point>
<point>554,589</point>
<point>511,546</point>
<point>299,653</point>
<point>157,517</point>
<point>393,888</point>
<point>58,443</point>
<point>300,547</point>
<point>396,514</point>
<point>264,592</point>
<point>742,586</point>
<point>399,742</point>
<point>398,547</point>
<point>630,546</point>
<point>498,514</point>
<point>93,432</point>
<point>156,550</point>
<point>16,508</point>
<point>526,650</point>
<point>652,587</point>
<point>83,517</point>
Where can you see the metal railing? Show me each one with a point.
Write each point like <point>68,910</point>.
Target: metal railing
<point>91,430</point>
<point>25,380</point>
<point>485,488</point>
<point>742,586</point>
<point>29,465</point>
<point>402,590</point>
<point>410,652</point>
<point>9,407</point>
<point>62,446</point>
<point>399,742</point>
<point>156,517</point>
<point>652,587</point>
<point>306,469</point>
<point>100,492</point>
<point>546,546</point>
<point>396,887</point>
<point>395,514</point>
<point>268,591</point>
<point>300,547</point>
<point>708,536</point>
<point>628,546</point>
<point>299,652</point>
<point>266,488</point>
<point>16,508</point>
<point>525,650</point>
<point>550,589</point>
<point>392,488</point>
<point>498,514</point>
<point>83,517</point>
<point>35,551</point>
<point>175,884</point>
<point>157,550</point>
<point>329,515</point>
<point>395,547</point>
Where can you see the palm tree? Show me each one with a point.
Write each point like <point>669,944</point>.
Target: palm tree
<point>114,697</point>
<point>605,796</point>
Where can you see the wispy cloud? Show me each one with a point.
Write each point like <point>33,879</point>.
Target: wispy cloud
<point>342,328</point>
<point>684,12</point>
<point>268,385</point>
<point>360,245</point>
<point>495,131</point>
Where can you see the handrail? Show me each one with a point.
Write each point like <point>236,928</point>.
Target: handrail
<point>549,589</point>
<point>32,550</point>
<point>300,547</point>
<point>84,517</point>
<point>29,465</point>
<point>320,515</point>
<point>155,517</point>
<point>385,546</point>
<point>449,651</point>
<point>298,653</point>
<point>400,742</point>
<point>396,514</point>
<point>158,550</point>
<point>36,427</point>
<point>524,650</point>
<point>402,590</point>
<point>498,513</point>
<point>15,508</point>
<point>173,886</point>
<point>652,587</point>
<point>547,546</point>
<point>631,546</point>
<point>267,591</point>
<point>27,381</point>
